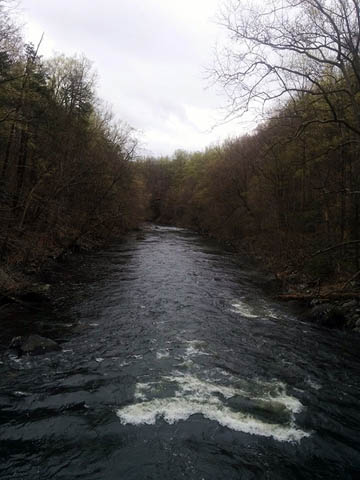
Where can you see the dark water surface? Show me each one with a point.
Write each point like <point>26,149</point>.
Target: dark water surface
<point>176,365</point>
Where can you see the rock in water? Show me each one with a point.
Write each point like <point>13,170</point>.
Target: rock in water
<point>34,345</point>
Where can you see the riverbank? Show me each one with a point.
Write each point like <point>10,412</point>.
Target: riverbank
<point>327,301</point>
<point>30,284</point>
<point>323,302</point>
<point>331,300</point>
<point>174,362</point>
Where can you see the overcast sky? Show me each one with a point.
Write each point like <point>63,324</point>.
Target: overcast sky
<point>151,58</point>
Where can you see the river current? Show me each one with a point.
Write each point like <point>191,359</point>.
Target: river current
<point>176,364</point>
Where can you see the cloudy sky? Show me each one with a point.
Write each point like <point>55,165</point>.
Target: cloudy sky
<point>151,57</point>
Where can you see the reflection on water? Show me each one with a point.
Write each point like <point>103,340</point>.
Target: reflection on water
<point>175,364</point>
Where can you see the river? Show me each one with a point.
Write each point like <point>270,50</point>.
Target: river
<point>175,364</point>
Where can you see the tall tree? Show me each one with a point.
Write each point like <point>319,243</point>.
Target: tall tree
<point>280,48</point>
<point>281,51</point>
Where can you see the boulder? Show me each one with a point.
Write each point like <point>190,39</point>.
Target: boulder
<point>34,345</point>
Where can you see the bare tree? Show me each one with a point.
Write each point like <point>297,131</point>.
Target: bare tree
<point>10,38</point>
<point>279,48</point>
<point>301,59</point>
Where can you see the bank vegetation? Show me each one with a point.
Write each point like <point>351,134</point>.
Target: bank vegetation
<point>289,192</point>
<point>68,178</point>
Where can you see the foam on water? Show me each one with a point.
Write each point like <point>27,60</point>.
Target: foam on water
<point>15,359</point>
<point>174,409</point>
<point>243,309</point>
<point>270,312</point>
<point>22,394</point>
<point>140,390</point>
<point>124,364</point>
<point>276,390</point>
<point>186,363</point>
<point>314,385</point>
<point>262,310</point>
<point>194,348</point>
<point>195,396</point>
<point>162,354</point>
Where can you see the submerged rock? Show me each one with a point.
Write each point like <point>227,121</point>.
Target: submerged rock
<point>34,345</point>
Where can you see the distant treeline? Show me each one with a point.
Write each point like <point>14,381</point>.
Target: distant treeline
<point>283,192</point>
<point>67,176</point>
<point>290,191</point>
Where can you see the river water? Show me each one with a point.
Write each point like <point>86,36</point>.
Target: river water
<point>176,365</point>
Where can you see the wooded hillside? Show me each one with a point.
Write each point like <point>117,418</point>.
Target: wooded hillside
<point>289,191</point>
<point>67,176</point>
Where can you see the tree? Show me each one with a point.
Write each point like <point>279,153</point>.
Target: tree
<point>66,171</point>
<point>302,58</point>
<point>280,48</point>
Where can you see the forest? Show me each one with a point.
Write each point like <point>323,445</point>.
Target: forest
<point>67,175</point>
<point>288,193</point>
<point>190,311</point>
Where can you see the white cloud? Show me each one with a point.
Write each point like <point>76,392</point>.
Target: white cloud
<point>151,57</point>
